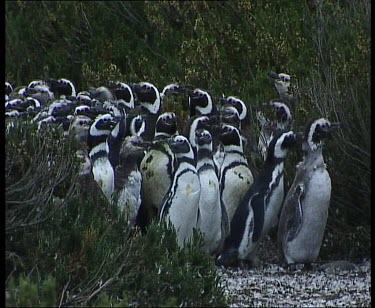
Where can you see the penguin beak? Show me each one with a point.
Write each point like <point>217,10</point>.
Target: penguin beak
<point>273,75</point>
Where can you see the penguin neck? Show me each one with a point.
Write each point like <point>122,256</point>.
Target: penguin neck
<point>204,157</point>
<point>234,153</point>
<point>313,157</point>
<point>184,162</point>
<point>100,150</point>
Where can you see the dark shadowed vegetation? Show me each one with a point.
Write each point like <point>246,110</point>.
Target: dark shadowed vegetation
<point>65,248</point>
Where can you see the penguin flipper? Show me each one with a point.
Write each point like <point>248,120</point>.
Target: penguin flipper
<point>257,203</point>
<point>294,213</point>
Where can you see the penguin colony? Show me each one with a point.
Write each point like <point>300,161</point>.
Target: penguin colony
<point>200,178</point>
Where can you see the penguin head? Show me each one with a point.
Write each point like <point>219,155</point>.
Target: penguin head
<point>101,93</point>
<point>203,139</point>
<point>149,96</point>
<point>196,122</point>
<point>137,126</point>
<point>239,105</point>
<point>166,124</point>
<point>316,131</point>
<point>80,126</point>
<point>172,88</point>
<point>281,82</point>
<point>8,88</point>
<point>132,149</point>
<point>283,112</point>
<point>200,101</point>
<point>280,144</point>
<point>231,138</point>
<point>229,115</point>
<point>181,147</point>
<point>102,125</point>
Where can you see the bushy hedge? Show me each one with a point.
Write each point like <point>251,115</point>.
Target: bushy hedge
<point>224,47</point>
<point>74,248</point>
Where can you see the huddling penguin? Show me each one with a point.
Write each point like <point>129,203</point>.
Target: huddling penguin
<point>133,154</point>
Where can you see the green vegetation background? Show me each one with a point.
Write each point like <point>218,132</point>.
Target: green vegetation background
<point>224,47</point>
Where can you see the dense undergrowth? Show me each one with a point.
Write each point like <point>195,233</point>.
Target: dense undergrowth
<point>68,247</point>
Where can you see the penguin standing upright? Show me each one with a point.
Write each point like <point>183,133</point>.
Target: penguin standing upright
<point>98,153</point>
<point>305,210</point>
<point>128,178</point>
<point>180,205</point>
<point>283,88</point>
<point>259,209</point>
<point>235,175</point>
<point>158,165</point>
<point>213,216</point>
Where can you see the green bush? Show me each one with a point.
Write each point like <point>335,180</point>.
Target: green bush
<point>75,248</point>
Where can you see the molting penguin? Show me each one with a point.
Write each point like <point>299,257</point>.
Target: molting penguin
<point>180,205</point>
<point>258,210</point>
<point>128,178</point>
<point>282,85</point>
<point>305,210</point>
<point>213,217</point>
<point>235,175</point>
<point>98,152</point>
<point>80,126</point>
<point>158,165</point>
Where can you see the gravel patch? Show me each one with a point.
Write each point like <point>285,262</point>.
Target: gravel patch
<point>333,284</point>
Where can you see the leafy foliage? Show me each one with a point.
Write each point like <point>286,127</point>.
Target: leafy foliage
<point>224,47</point>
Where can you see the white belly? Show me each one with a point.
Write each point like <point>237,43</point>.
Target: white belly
<point>209,222</point>
<point>104,176</point>
<point>305,246</point>
<point>155,178</point>
<point>236,181</point>
<point>183,210</point>
<point>129,199</point>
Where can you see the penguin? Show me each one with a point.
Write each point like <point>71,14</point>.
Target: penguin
<point>114,141</point>
<point>62,87</point>
<point>305,210</point>
<point>192,125</point>
<point>246,131</point>
<point>235,175</point>
<point>283,121</point>
<point>80,127</point>
<point>259,208</point>
<point>101,93</point>
<point>128,178</point>
<point>98,153</point>
<point>8,88</point>
<point>180,205</point>
<point>124,97</point>
<point>150,101</point>
<point>283,88</point>
<point>213,217</point>
<point>201,103</point>
<point>158,165</point>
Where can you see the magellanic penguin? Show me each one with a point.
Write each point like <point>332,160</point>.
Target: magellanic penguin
<point>259,208</point>
<point>128,178</point>
<point>283,88</point>
<point>158,165</point>
<point>98,153</point>
<point>150,101</point>
<point>213,217</point>
<point>235,175</point>
<point>282,120</point>
<point>180,205</point>
<point>304,213</point>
